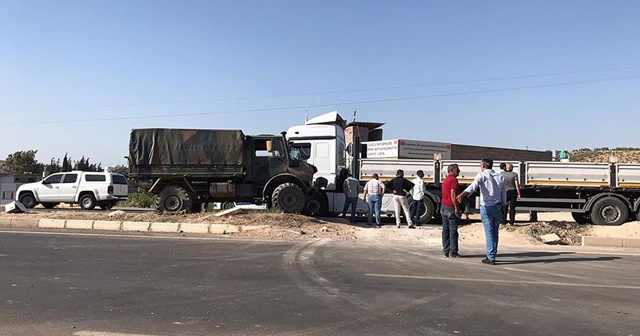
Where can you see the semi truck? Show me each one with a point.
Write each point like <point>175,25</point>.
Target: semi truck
<point>592,192</point>
<point>187,168</point>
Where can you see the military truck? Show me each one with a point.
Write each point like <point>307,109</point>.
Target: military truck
<point>187,168</point>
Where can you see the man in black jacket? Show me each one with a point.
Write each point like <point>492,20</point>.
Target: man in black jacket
<point>400,188</point>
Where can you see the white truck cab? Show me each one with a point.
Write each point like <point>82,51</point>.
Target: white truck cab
<point>321,142</point>
<point>88,189</point>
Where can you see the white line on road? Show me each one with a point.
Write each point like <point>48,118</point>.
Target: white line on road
<point>104,333</point>
<point>515,282</point>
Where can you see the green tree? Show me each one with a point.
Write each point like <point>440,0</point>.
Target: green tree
<point>120,169</point>
<point>53,166</point>
<point>22,162</point>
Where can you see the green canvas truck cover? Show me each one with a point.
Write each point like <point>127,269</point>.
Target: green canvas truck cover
<point>164,146</point>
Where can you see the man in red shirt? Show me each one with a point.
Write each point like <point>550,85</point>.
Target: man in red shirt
<point>450,212</point>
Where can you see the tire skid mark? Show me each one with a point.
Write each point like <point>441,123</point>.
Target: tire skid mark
<point>298,264</point>
<point>299,267</point>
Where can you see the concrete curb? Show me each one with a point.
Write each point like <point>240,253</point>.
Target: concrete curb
<point>25,222</point>
<point>48,223</point>
<point>106,225</point>
<point>610,241</point>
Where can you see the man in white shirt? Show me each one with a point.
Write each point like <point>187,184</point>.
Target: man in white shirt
<point>417,194</point>
<point>492,195</point>
<point>373,192</point>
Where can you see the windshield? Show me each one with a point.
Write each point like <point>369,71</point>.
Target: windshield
<point>300,152</point>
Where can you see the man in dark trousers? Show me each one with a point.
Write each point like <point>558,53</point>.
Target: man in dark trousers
<point>513,194</point>
<point>450,212</point>
<point>400,187</point>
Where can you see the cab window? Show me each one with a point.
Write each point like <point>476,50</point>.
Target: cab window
<point>55,178</point>
<point>70,178</point>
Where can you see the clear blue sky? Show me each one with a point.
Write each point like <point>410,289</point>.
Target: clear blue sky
<point>77,76</point>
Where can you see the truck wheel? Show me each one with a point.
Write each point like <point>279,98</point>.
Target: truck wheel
<point>429,210</point>
<point>227,205</point>
<point>196,207</point>
<point>174,200</point>
<point>87,202</point>
<point>28,200</point>
<point>288,197</point>
<point>106,206</point>
<point>49,205</point>
<point>317,206</point>
<point>580,218</point>
<point>609,211</point>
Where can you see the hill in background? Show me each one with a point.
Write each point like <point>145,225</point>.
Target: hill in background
<point>622,154</point>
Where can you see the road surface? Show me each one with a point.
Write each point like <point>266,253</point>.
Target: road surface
<point>54,283</point>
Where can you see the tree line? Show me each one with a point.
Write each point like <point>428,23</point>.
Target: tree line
<point>24,162</point>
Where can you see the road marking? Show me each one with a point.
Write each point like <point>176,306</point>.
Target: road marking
<point>105,333</point>
<point>515,282</point>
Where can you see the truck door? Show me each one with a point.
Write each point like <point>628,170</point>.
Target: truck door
<point>269,159</point>
<point>49,191</point>
<point>68,187</point>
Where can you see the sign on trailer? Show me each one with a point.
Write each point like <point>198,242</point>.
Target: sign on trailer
<point>407,149</point>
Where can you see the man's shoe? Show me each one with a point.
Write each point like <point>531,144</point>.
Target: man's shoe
<point>446,255</point>
<point>488,262</point>
<point>398,226</point>
<point>455,255</point>
<point>412,226</point>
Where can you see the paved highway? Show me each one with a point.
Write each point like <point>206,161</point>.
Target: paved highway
<point>99,285</point>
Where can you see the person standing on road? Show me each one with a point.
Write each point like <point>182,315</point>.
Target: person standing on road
<point>492,195</point>
<point>399,186</point>
<point>417,193</point>
<point>450,212</point>
<point>513,194</point>
<point>351,189</point>
<point>373,192</point>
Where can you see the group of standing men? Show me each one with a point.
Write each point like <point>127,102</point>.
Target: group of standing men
<point>497,191</point>
<point>374,189</point>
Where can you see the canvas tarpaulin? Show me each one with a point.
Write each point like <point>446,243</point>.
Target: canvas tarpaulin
<point>161,146</point>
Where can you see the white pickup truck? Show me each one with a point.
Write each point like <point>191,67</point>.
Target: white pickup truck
<point>85,188</point>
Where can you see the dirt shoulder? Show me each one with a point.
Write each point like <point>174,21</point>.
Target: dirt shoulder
<point>293,226</point>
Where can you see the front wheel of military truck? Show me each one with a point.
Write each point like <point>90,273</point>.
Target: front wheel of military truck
<point>174,200</point>
<point>288,197</point>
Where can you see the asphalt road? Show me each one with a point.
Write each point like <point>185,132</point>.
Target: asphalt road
<point>99,285</point>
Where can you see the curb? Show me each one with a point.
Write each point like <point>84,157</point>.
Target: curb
<point>106,225</point>
<point>610,241</point>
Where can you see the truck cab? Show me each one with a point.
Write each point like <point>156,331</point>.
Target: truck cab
<point>321,142</point>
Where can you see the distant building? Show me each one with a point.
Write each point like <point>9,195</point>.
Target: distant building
<point>9,184</point>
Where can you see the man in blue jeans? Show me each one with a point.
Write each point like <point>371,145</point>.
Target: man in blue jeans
<point>492,195</point>
<point>351,188</point>
<point>373,192</point>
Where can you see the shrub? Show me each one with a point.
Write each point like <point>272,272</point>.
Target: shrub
<point>140,200</point>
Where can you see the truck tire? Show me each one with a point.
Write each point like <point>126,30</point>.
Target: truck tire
<point>580,218</point>
<point>317,206</point>
<point>227,205</point>
<point>174,200</point>
<point>429,210</point>
<point>49,205</point>
<point>87,202</point>
<point>28,200</point>
<point>288,197</point>
<point>106,206</point>
<point>609,211</point>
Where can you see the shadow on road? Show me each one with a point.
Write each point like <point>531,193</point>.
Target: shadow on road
<point>549,258</point>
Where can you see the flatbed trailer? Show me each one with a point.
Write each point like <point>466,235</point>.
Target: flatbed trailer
<point>600,193</point>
